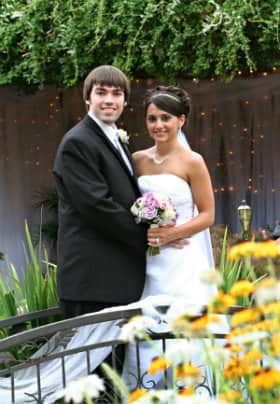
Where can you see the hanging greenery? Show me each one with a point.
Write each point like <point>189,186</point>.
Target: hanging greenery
<point>59,41</point>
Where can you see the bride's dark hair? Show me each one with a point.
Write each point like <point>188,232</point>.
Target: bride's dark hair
<point>174,100</point>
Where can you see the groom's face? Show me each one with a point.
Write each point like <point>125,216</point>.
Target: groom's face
<point>106,103</point>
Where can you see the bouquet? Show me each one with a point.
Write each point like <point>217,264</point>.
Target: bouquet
<point>156,209</point>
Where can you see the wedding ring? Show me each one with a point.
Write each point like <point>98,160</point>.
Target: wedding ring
<point>157,240</point>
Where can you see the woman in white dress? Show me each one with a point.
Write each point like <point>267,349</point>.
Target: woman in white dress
<point>173,169</point>
<point>170,168</point>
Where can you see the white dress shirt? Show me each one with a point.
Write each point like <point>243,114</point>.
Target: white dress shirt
<point>111,133</point>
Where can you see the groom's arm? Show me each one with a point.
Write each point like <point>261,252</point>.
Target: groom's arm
<point>91,196</point>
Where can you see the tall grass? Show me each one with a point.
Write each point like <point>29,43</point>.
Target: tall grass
<point>36,290</point>
<point>233,271</point>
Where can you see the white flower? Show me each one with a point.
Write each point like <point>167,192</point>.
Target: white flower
<point>162,397</point>
<point>89,386</point>
<point>249,337</point>
<point>123,136</point>
<point>168,214</point>
<point>181,307</point>
<point>137,328</point>
<point>268,293</point>
<point>212,277</point>
<point>22,308</point>
<point>181,351</point>
<point>218,354</point>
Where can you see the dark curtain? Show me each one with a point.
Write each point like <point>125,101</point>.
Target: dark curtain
<point>235,126</point>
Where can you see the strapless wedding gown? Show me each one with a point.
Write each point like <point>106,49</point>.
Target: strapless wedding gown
<point>176,272</point>
<point>173,272</point>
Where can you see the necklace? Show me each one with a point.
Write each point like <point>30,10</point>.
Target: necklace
<point>159,161</point>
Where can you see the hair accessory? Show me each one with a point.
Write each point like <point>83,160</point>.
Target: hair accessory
<point>174,97</point>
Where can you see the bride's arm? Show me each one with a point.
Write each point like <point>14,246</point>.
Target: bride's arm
<point>202,191</point>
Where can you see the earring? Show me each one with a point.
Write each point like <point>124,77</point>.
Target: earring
<point>87,102</point>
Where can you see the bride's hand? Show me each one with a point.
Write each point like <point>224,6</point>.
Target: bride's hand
<point>179,244</point>
<point>165,235</point>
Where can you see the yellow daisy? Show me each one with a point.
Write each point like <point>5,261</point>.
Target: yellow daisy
<point>266,379</point>
<point>158,364</point>
<point>230,396</point>
<point>135,395</point>
<point>242,288</point>
<point>187,391</point>
<point>222,302</point>
<point>187,371</point>
<point>245,316</point>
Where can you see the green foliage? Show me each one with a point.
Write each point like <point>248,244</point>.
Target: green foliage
<point>60,41</point>
<point>233,271</point>
<point>36,290</point>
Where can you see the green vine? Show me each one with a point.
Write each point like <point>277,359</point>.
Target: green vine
<point>58,42</point>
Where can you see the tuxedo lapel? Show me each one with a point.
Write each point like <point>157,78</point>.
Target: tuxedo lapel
<point>128,154</point>
<point>97,130</point>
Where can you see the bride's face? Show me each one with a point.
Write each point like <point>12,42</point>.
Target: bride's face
<point>162,126</point>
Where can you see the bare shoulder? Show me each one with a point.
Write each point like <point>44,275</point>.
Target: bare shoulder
<point>140,155</point>
<point>194,158</point>
<point>195,165</point>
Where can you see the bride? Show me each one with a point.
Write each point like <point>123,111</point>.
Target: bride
<point>171,168</point>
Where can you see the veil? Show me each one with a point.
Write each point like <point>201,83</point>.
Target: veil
<point>203,237</point>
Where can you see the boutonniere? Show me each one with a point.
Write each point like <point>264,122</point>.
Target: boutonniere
<point>123,136</point>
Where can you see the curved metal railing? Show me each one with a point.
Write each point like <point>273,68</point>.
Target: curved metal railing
<point>63,331</point>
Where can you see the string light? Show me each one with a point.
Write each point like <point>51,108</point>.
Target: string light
<point>55,107</point>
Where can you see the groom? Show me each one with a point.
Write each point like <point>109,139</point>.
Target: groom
<point>101,250</point>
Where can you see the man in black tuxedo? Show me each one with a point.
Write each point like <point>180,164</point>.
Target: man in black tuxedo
<point>101,250</point>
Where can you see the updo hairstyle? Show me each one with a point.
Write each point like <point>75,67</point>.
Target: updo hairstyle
<point>171,99</point>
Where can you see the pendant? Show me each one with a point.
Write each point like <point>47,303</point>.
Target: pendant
<point>159,161</point>
<point>156,161</point>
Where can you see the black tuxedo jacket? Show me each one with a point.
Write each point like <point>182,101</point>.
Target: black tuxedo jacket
<point>101,250</point>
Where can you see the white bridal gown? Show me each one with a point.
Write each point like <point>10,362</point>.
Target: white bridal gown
<point>174,272</point>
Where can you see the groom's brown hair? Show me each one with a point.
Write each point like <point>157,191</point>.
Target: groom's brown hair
<point>106,75</point>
